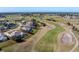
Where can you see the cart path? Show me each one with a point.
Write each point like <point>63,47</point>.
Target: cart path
<point>31,42</point>
<point>70,31</point>
<point>76,44</point>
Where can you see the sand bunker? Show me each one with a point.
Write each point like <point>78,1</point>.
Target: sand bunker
<point>67,38</point>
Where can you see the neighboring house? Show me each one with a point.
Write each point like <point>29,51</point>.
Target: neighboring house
<point>6,25</point>
<point>3,28</point>
<point>3,37</point>
<point>2,16</point>
<point>9,25</point>
<point>17,35</point>
<point>34,23</point>
<point>27,27</point>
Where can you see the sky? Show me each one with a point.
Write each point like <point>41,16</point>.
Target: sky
<point>39,9</point>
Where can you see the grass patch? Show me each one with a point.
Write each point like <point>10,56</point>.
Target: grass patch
<point>10,45</point>
<point>10,48</point>
<point>58,18</point>
<point>34,31</point>
<point>1,25</point>
<point>48,42</point>
<point>7,43</point>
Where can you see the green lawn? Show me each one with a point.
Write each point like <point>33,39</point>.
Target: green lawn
<point>58,18</point>
<point>48,42</point>
<point>10,48</point>
<point>10,45</point>
<point>1,25</point>
<point>7,43</point>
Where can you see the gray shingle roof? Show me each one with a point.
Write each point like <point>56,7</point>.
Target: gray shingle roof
<point>2,37</point>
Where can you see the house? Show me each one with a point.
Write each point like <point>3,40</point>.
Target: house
<point>17,36</point>
<point>6,25</point>
<point>27,27</point>
<point>3,37</point>
<point>2,16</point>
<point>9,25</point>
<point>34,23</point>
<point>3,28</point>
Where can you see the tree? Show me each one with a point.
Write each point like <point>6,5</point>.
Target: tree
<point>69,23</point>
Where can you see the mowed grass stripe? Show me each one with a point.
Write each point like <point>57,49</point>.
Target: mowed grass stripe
<point>48,42</point>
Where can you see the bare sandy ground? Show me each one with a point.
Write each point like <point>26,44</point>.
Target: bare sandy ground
<point>75,40</point>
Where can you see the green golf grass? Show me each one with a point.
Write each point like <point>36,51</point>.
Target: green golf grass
<point>48,42</point>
